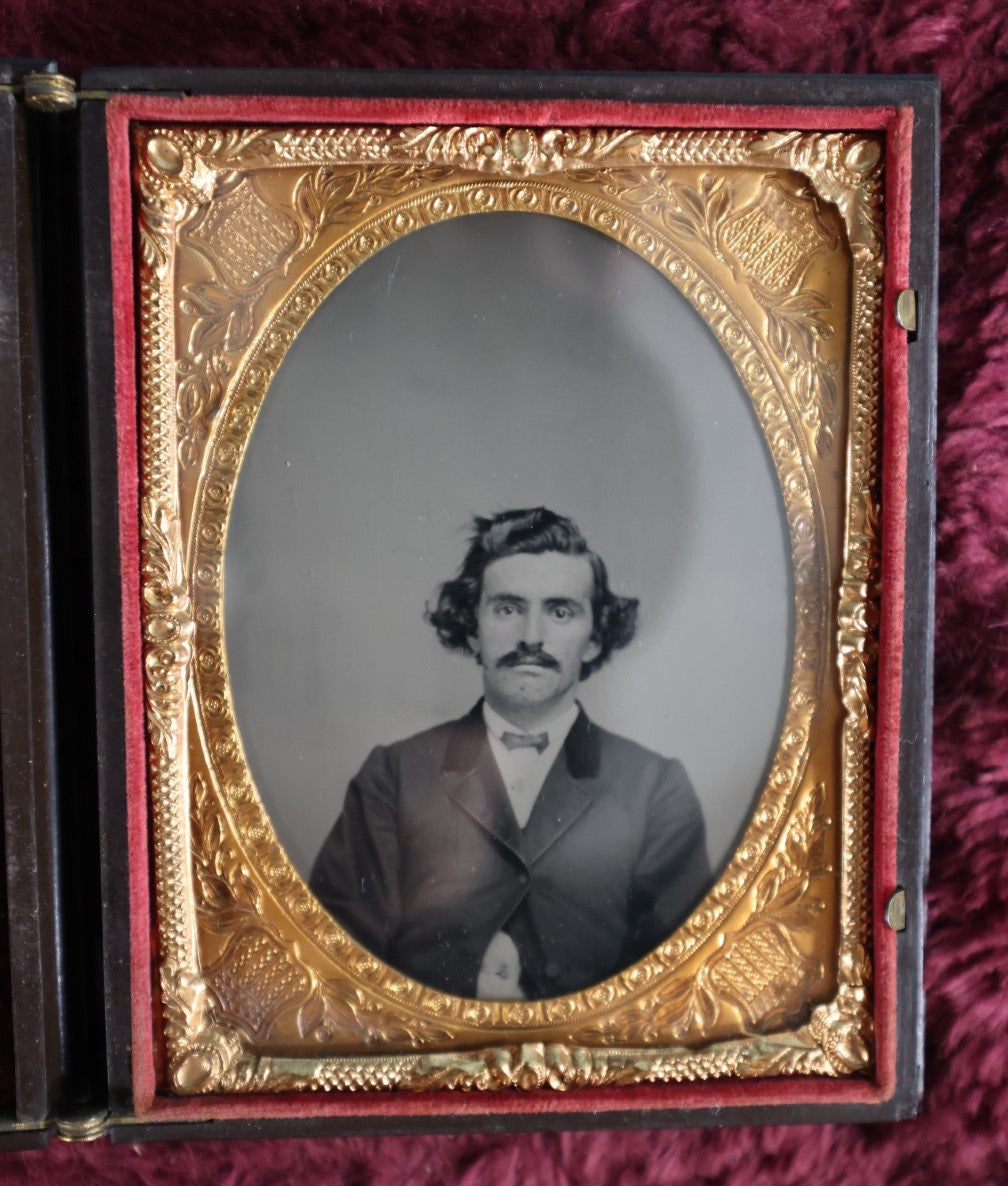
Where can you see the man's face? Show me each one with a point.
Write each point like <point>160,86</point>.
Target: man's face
<point>534,632</point>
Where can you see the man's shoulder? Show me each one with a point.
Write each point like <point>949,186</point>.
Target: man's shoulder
<point>429,744</point>
<point>616,750</point>
<point>625,745</point>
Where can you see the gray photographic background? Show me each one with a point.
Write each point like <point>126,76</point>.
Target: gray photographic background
<point>496,361</point>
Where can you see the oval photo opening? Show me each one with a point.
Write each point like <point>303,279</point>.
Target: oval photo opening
<point>509,610</point>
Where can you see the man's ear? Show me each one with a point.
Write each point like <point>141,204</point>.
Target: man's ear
<point>593,650</point>
<point>472,641</point>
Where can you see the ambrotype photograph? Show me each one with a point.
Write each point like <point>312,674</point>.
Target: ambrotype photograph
<point>508,606</point>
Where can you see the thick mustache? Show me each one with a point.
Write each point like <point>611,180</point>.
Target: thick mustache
<point>522,657</point>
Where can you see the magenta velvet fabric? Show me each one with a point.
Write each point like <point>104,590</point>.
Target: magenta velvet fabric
<point>962,1134</point>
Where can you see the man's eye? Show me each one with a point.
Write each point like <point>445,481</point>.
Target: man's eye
<point>561,612</point>
<point>504,611</point>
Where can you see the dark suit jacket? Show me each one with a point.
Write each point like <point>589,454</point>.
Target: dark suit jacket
<point>427,861</point>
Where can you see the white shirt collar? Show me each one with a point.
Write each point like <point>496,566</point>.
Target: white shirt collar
<point>524,771</point>
<point>557,727</point>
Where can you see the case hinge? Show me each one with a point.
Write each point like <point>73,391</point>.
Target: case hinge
<point>49,92</point>
<point>82,1128</point>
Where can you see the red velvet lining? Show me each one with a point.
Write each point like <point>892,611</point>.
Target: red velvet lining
<point>790,1092</point>
<point>142,940</point>
<point>895,414</point>
<point>120,111</point>
<point>577,112</point>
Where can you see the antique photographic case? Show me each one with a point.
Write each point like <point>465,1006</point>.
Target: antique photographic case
<point>314,328</point>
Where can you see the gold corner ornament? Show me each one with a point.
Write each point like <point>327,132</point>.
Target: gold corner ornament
<point>776,241</point>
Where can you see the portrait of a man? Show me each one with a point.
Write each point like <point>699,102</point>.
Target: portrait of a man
<point>523,850</point>
<point>491,362</point>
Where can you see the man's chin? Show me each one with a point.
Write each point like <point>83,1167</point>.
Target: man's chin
<point>526,693</point>
<point>537,679</point>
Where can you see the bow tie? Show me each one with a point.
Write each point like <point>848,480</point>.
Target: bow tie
<point>536,741</point>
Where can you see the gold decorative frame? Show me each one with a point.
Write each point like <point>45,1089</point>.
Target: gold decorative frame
<point>775,238</point>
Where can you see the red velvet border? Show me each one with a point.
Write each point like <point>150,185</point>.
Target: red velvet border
<point>121,110</point>
<point>895,417</point>
<point>142,939</point>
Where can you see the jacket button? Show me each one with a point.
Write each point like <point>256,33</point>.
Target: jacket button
<point>523,879</point>
<point>552,970</point>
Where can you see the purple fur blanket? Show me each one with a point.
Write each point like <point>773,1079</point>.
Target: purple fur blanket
<point>962,1133</point>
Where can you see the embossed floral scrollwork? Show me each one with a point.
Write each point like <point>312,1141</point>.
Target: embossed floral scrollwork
<point>246,980</point>
<point>426,1007</point>
<point>845,169</point>
<point>838,1038</point>
<point>168,624</point>
<point>795,328</point>
<point>257,979</point>
<point>858,616</point>
<point>757,970</point>
<point>515,151</point>
<point>528,1067</point>
<point>843,1028</point>
<point>203,1055</point>
<point>772,240</point>
<point>172,183</point>
<point>223,309</point>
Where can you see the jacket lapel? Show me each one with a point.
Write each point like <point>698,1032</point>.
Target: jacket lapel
<point>474,784</point>
<point>568,790</point>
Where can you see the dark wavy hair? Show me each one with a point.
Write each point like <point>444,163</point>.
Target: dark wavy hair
<point>455,616</point>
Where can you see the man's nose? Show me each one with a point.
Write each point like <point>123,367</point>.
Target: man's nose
<point>532,628</point>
